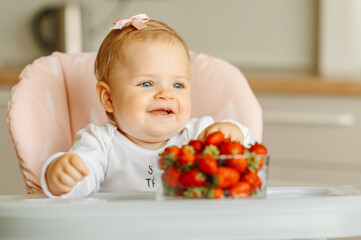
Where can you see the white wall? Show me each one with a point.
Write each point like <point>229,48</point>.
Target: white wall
<point>340,38</point>
<point>11,181</point>
<point>253,34</point>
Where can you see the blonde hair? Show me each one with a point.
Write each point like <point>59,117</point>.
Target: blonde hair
<point>112,49</point>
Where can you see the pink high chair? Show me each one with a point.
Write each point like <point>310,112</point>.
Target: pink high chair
<point>56,97</point>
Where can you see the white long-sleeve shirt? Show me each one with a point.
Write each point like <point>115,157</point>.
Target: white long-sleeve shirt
<point>118,165</point>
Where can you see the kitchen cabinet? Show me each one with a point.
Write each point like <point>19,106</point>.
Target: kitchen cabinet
<point>312,139</point>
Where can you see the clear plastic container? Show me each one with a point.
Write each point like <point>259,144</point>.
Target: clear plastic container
<point>232,177</point>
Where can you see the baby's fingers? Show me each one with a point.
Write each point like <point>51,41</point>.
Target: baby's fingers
<point>202,136</point>
<point>66,182</point>
<point>78,165</point>
<point>209,130</point>
<point>74,173</point>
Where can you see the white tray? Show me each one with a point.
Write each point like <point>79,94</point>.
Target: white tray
<point>286,213</point>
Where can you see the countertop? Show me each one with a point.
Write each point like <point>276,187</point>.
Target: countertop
<point>303,83</point>
<point>9,76</point>
<point>300,83</point>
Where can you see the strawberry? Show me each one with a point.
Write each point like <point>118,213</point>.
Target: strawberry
<point>231,148</point>
<point>172,150</point>
<point>259,149</point>
<point>240,189</point>
<point>168,157</point>
<point>208,164</point>
<point>193,178</point>
<point>211,149</point>
<point>254,160</point>
<point>197,145</point>
<point>261,163</point>
<point>215,193</point>
<point>195,192</point>
<point>162,163</point>
<point>171,192</point>
<point>239,163</point>
<point>253,179</point>
<point>215,138</point>
<point>165,162</point>
<point>171,177</point>
<point>226,177</point>
<point>186,157</point>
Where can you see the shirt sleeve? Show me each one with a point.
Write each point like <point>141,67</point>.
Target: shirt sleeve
<point>198,125</point>
<point>91,146</point>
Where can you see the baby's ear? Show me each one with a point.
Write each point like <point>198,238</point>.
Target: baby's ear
<point>103,91</point>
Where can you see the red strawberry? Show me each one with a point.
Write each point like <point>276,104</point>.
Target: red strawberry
<point>168,157</point>
<point>259,149</point>
<point>208,164</point>
<point>162,163</point>
<point>172,150</point>
<point>171,177</point>
<point>240,164</point>
<point>197,145</point>
<point>186,157</point>
<point>193,178</point>
<point>226,177</point>
<point>198,155</point>
<point>261,163</point>
<point>253,179</point>
<point>232,148</point>
<point>215,138</point>
<point>215,193</point>
<point>240,189</point>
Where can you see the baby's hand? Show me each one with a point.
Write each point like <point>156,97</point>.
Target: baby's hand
<point>229,130</point>
<point>63,173</point>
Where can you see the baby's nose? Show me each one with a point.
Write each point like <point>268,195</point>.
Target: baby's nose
<point>164,95</point>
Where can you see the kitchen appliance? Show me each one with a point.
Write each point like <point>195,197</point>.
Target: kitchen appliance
<point>59,28</point>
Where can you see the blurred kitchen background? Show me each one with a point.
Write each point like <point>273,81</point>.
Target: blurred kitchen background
<point>302,59</point>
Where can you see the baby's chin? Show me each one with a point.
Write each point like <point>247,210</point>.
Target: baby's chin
<point>158,135</point>
<point>161,135</point>
<point>152,139</point>
<point>152,142</point>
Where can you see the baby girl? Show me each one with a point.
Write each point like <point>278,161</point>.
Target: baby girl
<point>144,76</point>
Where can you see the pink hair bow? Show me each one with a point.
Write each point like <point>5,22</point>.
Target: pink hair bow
<point>138,21</point>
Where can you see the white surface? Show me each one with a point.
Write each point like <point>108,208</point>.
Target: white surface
<point>306,213</point>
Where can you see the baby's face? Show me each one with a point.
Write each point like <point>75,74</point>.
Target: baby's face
<point>151,93</point>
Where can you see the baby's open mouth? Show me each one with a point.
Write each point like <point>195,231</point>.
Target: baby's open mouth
<point>161,112</point>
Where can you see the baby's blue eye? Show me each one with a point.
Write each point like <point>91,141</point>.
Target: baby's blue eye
<point>146,84</point>
<point>177,85</point>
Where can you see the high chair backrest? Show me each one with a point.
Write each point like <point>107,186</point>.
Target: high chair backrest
<point>56,97</point>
